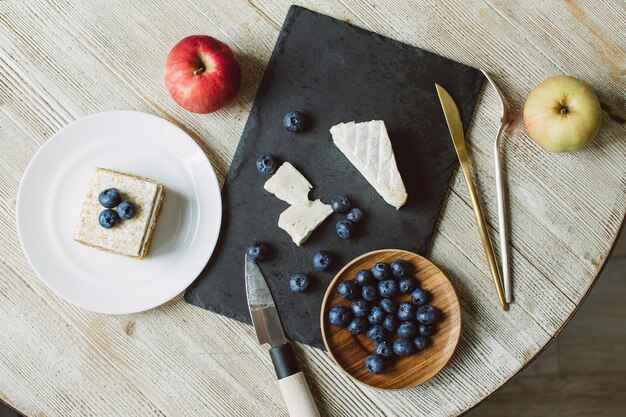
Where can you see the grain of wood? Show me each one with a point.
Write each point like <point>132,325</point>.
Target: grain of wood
<point>582,372</point>
<point>61,60</point>
<point>350,351</point>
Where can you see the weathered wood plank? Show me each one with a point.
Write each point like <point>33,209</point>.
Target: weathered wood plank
<point>62,60</point>
<point>47,355</point>
<point>588,352</point>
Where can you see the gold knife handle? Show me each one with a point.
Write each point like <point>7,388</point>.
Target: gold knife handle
<point>484,233</point>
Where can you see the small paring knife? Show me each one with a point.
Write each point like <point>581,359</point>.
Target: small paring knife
<point>269,330</point>
<point>455,126</point>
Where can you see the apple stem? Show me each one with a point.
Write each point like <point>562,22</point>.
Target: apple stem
<point>198,71</point>
<point>564,110</point>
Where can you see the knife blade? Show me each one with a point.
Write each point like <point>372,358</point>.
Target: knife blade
<point>455,126</point>
<point>269,330</point>
<point>265,319</point>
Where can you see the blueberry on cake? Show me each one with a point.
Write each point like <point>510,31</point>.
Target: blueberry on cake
<point>119,213</point>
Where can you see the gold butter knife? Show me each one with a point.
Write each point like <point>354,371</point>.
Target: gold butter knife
<point>453,118</point>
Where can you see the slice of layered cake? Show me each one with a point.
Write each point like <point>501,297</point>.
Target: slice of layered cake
<point>119,213</point>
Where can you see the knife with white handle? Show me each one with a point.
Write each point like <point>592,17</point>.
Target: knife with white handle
<point>269,330</point>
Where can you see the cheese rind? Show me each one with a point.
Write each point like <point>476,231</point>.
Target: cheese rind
<point>301,220</point>
<point>289,185</point>
<point>368,148</point>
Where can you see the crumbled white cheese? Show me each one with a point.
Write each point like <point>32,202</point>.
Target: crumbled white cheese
<point>301,220</point>
<point>289,185</point>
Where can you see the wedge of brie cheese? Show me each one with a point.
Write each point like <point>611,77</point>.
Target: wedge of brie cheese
<point>368,148</point>
<point>300,220</point>
<point>289,185</point>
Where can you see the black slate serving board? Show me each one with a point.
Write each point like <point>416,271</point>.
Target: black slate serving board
<point>334,72</point>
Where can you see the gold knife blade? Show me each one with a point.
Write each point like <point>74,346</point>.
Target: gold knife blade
<point>455,126</point>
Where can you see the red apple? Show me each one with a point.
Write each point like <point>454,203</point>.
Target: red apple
<point>202,74</point>
<point>562,114</point>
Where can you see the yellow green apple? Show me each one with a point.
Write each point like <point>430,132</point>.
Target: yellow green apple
<point>562,114</point>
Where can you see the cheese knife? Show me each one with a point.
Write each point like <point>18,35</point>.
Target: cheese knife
<point>269,330</point>
<point>453,119</point>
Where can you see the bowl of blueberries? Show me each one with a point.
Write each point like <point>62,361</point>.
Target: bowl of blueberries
<point>391,319</point>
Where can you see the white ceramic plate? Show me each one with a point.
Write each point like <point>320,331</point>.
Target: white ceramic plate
<point>51,196</point>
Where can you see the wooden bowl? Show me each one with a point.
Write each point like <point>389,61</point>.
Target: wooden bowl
<point>349,351</point>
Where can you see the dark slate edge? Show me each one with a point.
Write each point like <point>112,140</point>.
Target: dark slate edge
<point>191,295</point>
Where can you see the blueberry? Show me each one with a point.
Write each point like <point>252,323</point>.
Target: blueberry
<point>369,293</point>
<point>384,349</point>
<point>391,323</point>
<point>400,268</point>
<point>347,289</point>
<point>381,271</point>
<point>355,215</point>
<point>257,251</point>
<point>421,342</point>
<point>360,308</point>
<point>110,197</point>
<point>266,164</point>
<point>339,316</point>
<point>108,218</point>
<point>322,260</point>
<point>344,228</point>
<point>376,316</point>
<point>426,330</point>
<point>406,311</point>
<point>294,121</point>
<point>374,364</point>
<point>358,325</point>
<point>376,333</point>
<point>407,329</point>
<point>403,347</point>
<point>407,285</point>
<point>340,204</point>
<point>126,210</point>
<point>388,288</point>
<point>427,314</point>
<point>299,282</point>
<point>389,305</point>
<point>364,277</point>
<point>420,296</point>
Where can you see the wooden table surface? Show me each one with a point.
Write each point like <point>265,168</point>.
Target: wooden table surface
<point>61,60</point>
